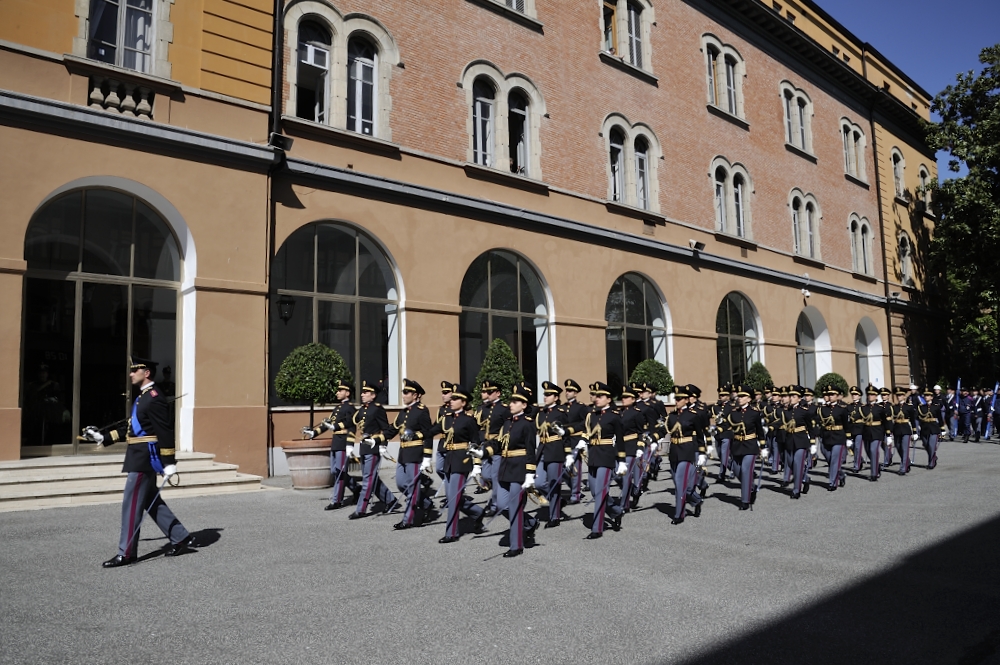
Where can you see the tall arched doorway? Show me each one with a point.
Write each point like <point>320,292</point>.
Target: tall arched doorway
<point>102,284</point>
<point>813,353</point>
<point>738,342</point>
<point>637,328</point>
<point>868,354</point>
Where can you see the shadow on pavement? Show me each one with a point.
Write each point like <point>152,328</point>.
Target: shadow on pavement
<point>940,605</point>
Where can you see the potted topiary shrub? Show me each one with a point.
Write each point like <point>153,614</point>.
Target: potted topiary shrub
<point>758,377</point>
<point>310,374</point>
<point>500,367</point>
<point>654,373</point>
<point>835,379</point>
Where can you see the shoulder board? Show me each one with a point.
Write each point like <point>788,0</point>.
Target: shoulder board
<point>528,418</point>
<point>153,392</point>
<point>421,406</point>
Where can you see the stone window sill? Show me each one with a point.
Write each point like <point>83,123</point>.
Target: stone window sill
<point>856,180</point>
<point>159,85</point>
<point>794,149</point>
<point>729,239</point>
<point>619,63</point>
<point>726,115</point>
<point>512,14</point>
<point>805,260</point>
<point>339,136</point>
<point>505,178</point>
<point>864,278</point>
<point>637,213</point>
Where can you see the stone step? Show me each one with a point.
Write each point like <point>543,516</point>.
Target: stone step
<point>102,459</point>
<point>79,474</point>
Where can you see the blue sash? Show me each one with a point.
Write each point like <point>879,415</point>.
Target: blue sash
<point>154,453</point>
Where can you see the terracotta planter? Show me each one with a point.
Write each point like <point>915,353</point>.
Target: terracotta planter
<point>308,463</point>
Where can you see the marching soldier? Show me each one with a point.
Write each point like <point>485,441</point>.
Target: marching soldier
<point>459,432</point>
<point>772,418</point>
<point>656,414</point>
<point>835,422</point>
<point>340,421</point>
<point>705,421</point>
<point>747,425</point>
<point>964,410</point>
<point>490,416</point>
<point>606,455</point>
<point>413,424</point>
<point>553,448</point>
<point>150,452</point>
<point>516,473</point>
<point>634,423</point>
<point>799,424</point>
<point>902,414</point>
<point>370,427</point>
<point>856,427</point>
<point>576,413</point>
<point>442,411</point>
<point>719,413</point>
<point>872,416</point>
<point>930,427</point>
<point>686,453</point>
<point>885,398</point>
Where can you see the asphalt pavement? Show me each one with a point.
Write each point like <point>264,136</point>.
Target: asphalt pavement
<point>899,571</point>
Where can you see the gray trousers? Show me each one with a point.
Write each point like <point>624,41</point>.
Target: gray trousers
<point>600,483</point>
<point>458,501</point>
<point>724,457</point>
<point>836,454</point>
<point>903,447</point>
<point>631,482</point>
<point>742,467</point>
<point>930,445</point>
<point>408,482</point>
<point>685,483</point>
<point>372,483</point>
<point>495,494</point>
<point>512,500</point>
<point>140,488</point>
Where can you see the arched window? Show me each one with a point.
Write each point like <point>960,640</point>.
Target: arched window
<point>925,191</point>
<point>483,96</point>
<point>854,149</point>
<point>731,190</point>
<point>866,248</point>
<point>642,172</point>
<point>725,75</point>
<point>861,254</point>
<point>626,26</point>
<point>637,328</point>
<point>797,225</point>
<point>798,117</point>
<point>312,81</point>
<point>502,298</point>
<point>805,224</point>
<point>738,343</point>
<point>102,284</point>
<point>635,34</point>
<point>712,54</point>
<point>361,81</point>
<point>805,352</point>
<point>868,354</point>
<point>517,124</point>
<point>739,185</point>
<point>334,285</point>
<point>811,230</point>
<point>617,156</point>
<point>721,202</point>
<point>861,359</point>
<point>906,259</point>
<point>898,165</point>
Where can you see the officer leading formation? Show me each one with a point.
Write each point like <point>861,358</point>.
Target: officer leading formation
<point>524,457</point>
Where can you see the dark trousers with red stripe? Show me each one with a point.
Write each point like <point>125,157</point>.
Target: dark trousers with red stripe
<point>576,481</point>
<point>140,488</point>
<point>341,479</point>
<point>836,454</point>
<point>600,484</point>
<point>685,482</point>
<point>859,453</point>
<point>742,468</point>
<point>631,482</point>
<point>874,450</point>
<point>724,457</point>
<point>458,501</point>
<point>903,446</point>
<point>511,500</point>
<point>553,489</point>
<point>408,482</point>
<point>371,483</point>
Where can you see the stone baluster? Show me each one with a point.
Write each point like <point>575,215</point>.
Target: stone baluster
<point>128,103</point>
<point>145,106</point>
<point>112,102</point>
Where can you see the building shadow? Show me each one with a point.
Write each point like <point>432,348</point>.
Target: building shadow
<point>940,605</point>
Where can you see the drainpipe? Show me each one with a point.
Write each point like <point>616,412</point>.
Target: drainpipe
<point>277,62</point>
<point>277,71</point>
<point>881,221</point>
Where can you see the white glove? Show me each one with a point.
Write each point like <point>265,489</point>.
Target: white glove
<point>383,450</point>
<point>850,443</point>
<point>529,481</point>
<point>169,471</point>
<point>350,451</point>
<point>368,441</point>
<point>92,434</point>
<point>653,447</point>
<point>308,433</point>
<point>425,465</point>
<point>569,461</point>
<point>813,449</point>
<point>712,451</point>
<point>664,441</point>
<point>558,429</point>
<point>581,444</point>
<point>476,452</point>
<point>621,470</point>
<point>325,425</point>
<point>702,460</point>
<point>764,453</point>
<point>638,454</point>
<point>476,471</point>
<point>888,440</point>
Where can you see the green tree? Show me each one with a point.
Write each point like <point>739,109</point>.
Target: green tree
<point>962,256</point>
<point>500,367</point>
<point>311,373</point>
<point>758,377</point>
<point>832,378</point>
<point>656,374</point>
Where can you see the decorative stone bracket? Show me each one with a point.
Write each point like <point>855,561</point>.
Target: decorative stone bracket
<point>126,98</point>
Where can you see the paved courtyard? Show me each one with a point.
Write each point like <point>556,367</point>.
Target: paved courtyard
<point>899,571</point>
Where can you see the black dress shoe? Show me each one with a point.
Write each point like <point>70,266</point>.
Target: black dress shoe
<point>512,553</point>
<point>399,526</point>
<point>481,490</point>
<point>703,490</point>
<point>697,510</point>
<point>489,512</point>
<point>430,516</point>
<point>478,526</point>
<point>677,520</point>
<point>334,506</point>
<point>795,496</point>
<point>616,523</point>
<point>572,502</point>
<point>593,535</point>
<point>389,507</point>
<point>551,524</point>
<point>744,506</point>
<point>181,547</point>
<point>753,497</point>
<point>116,561</point>
<point>355,516</point>
<point>635,502</point>
<point>783,484</point>
<point>448,539</point>
<point>843,481</point>
<point>831,488</point>
<point>805,488</point>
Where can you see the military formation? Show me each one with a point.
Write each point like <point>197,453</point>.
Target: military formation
<point>540,459</point>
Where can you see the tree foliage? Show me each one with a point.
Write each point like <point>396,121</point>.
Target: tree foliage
<point>656,374</point>
<point>311,374</point>
<point>839,382</point>
<point>758,377</point>
<point>962,256</point>
<point>500,367</point>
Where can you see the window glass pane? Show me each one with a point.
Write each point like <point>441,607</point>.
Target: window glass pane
<point>375,279</point>
<point>503,282</point>
<point>103,354</point>
<point>53,238</point>
<point>335,328</point>
<point>532,295</point>
<point>505,328</point>
<point>285,336</point>
<point>156,255</point>
<point>722,318</point>
<point>530,338</point>
<point>475,290</point>
<point>723,359</point>
<point>654,309</point>
<point>749,319</point>
<point>138,35</point>
<point>292,267</point>
<point>473,338</point>
<point>154,335</point>
<point>374,341</point>
<point>103,31</point>
<point>614,350</point>
<point>47,379</point>
<point>636,348</point>
<point>336,255</point>
<point>634,305</point>
<point>614,309</point>
<point>107,232</point>
<point>735,316</point>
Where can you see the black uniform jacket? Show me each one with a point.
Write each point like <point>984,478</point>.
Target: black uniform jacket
<point>658,417</point>
<point>874,422</point>
<point>552,447</point>
<point>370,421</point>
<point>634,423</point>
<point>901,416</point>
<point>604,431</point>
<point>835,424</point>
<point>458,430</point>
<point>720,418</point>
<point>575,415</point>
<point>856,418</point>
<point>417,419</point>
<point>342,418</point>
<point>685,427</point>
<point>929,416</point>
<point>747,425</point>
<point>490,417</point>
<point>772,418</point>
<point>517,448</point>
<point>152,413</point>
<point>799,426</point>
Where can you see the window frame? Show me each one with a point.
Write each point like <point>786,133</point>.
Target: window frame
<point>743,341</point>
<point>355,87</point>
<point>861,245</point>
<point>651,292</point>
<point>725,71</point>
<point>798,111</point>
<point>149,58</point>
<point>735,217</point>
<point>484,136</point>
<point>630,31</point>
<point>628,178</point>
<point>898,173</point>
<point>855,148</point>
<point>806,225</point>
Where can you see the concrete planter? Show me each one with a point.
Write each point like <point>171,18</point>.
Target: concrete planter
<point>308,463</point>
